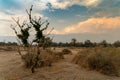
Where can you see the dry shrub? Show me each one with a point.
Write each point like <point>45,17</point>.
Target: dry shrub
<point>46,58</point>
<point>52,55</point>
<point>81,58</point>
<point>66,51</point>
<point>7,48</point>
<point>28,59</point>
<point>103,60</point>
<point>102,63</point>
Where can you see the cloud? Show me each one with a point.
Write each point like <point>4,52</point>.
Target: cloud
<point>60,4</point>
<point>42,4</point>
<point>6,21</point>
<point>107,8</point>
<point>107,12</point>
<point>89,3</point>
<point>63,4</point>
<point>102,12</point>
<point>5,29</point>
<point>92,25</point>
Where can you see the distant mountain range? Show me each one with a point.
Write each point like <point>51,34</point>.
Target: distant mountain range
<point>68,37</point>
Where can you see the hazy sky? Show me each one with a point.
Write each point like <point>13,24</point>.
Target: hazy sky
<point>97,17</point>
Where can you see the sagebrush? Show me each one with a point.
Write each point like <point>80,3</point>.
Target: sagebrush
<point>104,60</point>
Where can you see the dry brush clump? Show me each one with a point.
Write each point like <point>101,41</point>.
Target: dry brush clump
<point>66,51</point>
<point>52,56</point>
<point>46,58</point>
<point>104,60</point>
<point>7,48</point>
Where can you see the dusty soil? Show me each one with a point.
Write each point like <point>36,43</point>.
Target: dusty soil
<point>11,68</point>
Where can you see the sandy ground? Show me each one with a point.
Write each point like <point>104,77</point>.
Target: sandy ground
<point>11,68</point>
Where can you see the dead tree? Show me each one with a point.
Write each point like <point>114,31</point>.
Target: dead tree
<point>37,24</point>
<point>24,29</point>
<point>24,32</point>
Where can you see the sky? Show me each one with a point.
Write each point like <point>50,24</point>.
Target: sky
<point>83,19</point>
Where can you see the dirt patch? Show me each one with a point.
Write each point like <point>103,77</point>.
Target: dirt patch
<point>11,68</point>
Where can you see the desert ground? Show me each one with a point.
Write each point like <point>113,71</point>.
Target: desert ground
<point>12,68</point>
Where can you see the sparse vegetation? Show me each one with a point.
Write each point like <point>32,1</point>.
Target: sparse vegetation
<point>32,58</point>
<point>66,51</point>
<point>71,51</point>
<point>46,58</point>
<point>103,60</point>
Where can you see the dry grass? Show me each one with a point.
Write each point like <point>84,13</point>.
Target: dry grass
<point>11,68</point>
<point>66,51</point>
<point>46,58</point>
<point>104,60</point>
<point>7,48</point>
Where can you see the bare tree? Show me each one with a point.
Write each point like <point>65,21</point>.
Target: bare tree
<point>24,34</point>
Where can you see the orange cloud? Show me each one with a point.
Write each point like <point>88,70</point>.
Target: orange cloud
<point>92,25</point>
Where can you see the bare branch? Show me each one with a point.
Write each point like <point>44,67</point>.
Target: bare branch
<point>39,19</point>
<point>46,26</point>
<point>29,14</point>
<point>43,22</point>
<point>17,22</point>
<point>24,23</point>
<point>36,23</point>
<point>50,31</point>
<point>14,29</point>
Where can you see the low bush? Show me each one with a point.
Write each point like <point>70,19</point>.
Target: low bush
<point>46,58</point>
<point>66,51</point>
<point>102,63</point>
<point>81,58</point>
<point>29,59</point>
<point>103,60</point>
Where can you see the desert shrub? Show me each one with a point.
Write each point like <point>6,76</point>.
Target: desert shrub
<point>81,58</point>
<point>7,48</point>
<point>46,58</point>
<point>55,55</point>
<point>28,59</point>
<point>103,60</point>
<point>66,51</point>
<point>102,63</point>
